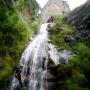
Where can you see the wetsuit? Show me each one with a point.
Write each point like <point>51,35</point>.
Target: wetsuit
<point>18,75</point>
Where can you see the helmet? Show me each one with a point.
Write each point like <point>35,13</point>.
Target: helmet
<point>22,65</point>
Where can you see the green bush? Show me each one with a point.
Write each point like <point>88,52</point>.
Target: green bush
<point>14,34</point>
<point>58,38</point>
<point>74,74</point>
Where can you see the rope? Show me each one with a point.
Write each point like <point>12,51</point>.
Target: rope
<point>46,83</point>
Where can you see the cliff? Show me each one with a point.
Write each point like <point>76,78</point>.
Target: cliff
<point>54,8</point>
<point>80,19</point>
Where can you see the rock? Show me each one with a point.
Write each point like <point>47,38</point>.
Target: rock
<point>60,28</point>
<point>49,41</point>
<point>52,85</point>
<point>27,44</point>
<point>69,39</point>
<point>50,20</point>
<point>50,63</point>
<point>76,52</point>
<point>82,35</point>
<point>78,36</point>
<point>50,31</point>
<point>54,8</point>
<point>1,66</point>
<point>31,38</point>
<point>54,54</point>
<point>50,78</point>
<point>65,55</point>
<point>51,24</point>
<point>80,18</point>
<point>56,31</point>
<point>58,56</point>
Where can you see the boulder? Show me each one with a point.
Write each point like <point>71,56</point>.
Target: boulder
<point>80,18</point>
<point>49,41</point>
<point>50,77</point>
<point>60,28</point>
<point>69,39</point>
<point>51,19</point>
<point>82,35</point>
<point>31,38</point>
<point>78,36</point>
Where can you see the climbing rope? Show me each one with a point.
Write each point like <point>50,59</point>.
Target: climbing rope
<point>46,83</point>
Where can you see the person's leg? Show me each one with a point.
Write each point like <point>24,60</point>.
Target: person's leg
<point>20,81</point>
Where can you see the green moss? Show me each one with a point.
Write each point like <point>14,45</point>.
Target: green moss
<point>74,74</point>
<point>58,38</point>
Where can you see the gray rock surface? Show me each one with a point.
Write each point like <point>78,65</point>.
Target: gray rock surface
<point>80,19</point>
<point>59,56</point>
<point>54,8</point>
<point>69,39</point>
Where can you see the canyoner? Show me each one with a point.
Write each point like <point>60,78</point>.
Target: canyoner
<point>34,63</point>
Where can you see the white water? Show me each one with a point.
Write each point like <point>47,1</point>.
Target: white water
<point>33,56</point>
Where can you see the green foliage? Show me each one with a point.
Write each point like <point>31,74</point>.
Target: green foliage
<point>57,36</point>
<point>34,25</point>
<point>21,5</point>
<point>83,50</point>
<point>14,34</point>
<point>34,7</point>
<point>74,74</point>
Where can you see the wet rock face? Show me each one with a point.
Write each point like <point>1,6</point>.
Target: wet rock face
<point>57,56</point>
<point>68,39</point>
<point>54,8</point>
<point>50,20</point>
<point>80,18</point>
<point>82,35</point>
<point>58,29</point>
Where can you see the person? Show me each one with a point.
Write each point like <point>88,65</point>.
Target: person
<point>18,71</point>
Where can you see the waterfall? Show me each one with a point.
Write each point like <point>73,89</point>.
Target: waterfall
<point>34,56</point>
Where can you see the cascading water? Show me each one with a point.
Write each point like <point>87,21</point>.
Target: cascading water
<point>34,56</point>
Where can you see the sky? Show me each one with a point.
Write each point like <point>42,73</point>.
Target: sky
<point>72,3</point>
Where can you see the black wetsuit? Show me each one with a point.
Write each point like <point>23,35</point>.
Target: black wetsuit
<point>18,75</point>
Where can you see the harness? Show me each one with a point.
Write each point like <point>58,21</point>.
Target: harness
<point>18,72</point>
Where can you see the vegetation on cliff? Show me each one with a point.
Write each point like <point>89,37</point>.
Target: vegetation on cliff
<point>74,74</point>
<point>80,19</point>
<point>14,33</point>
